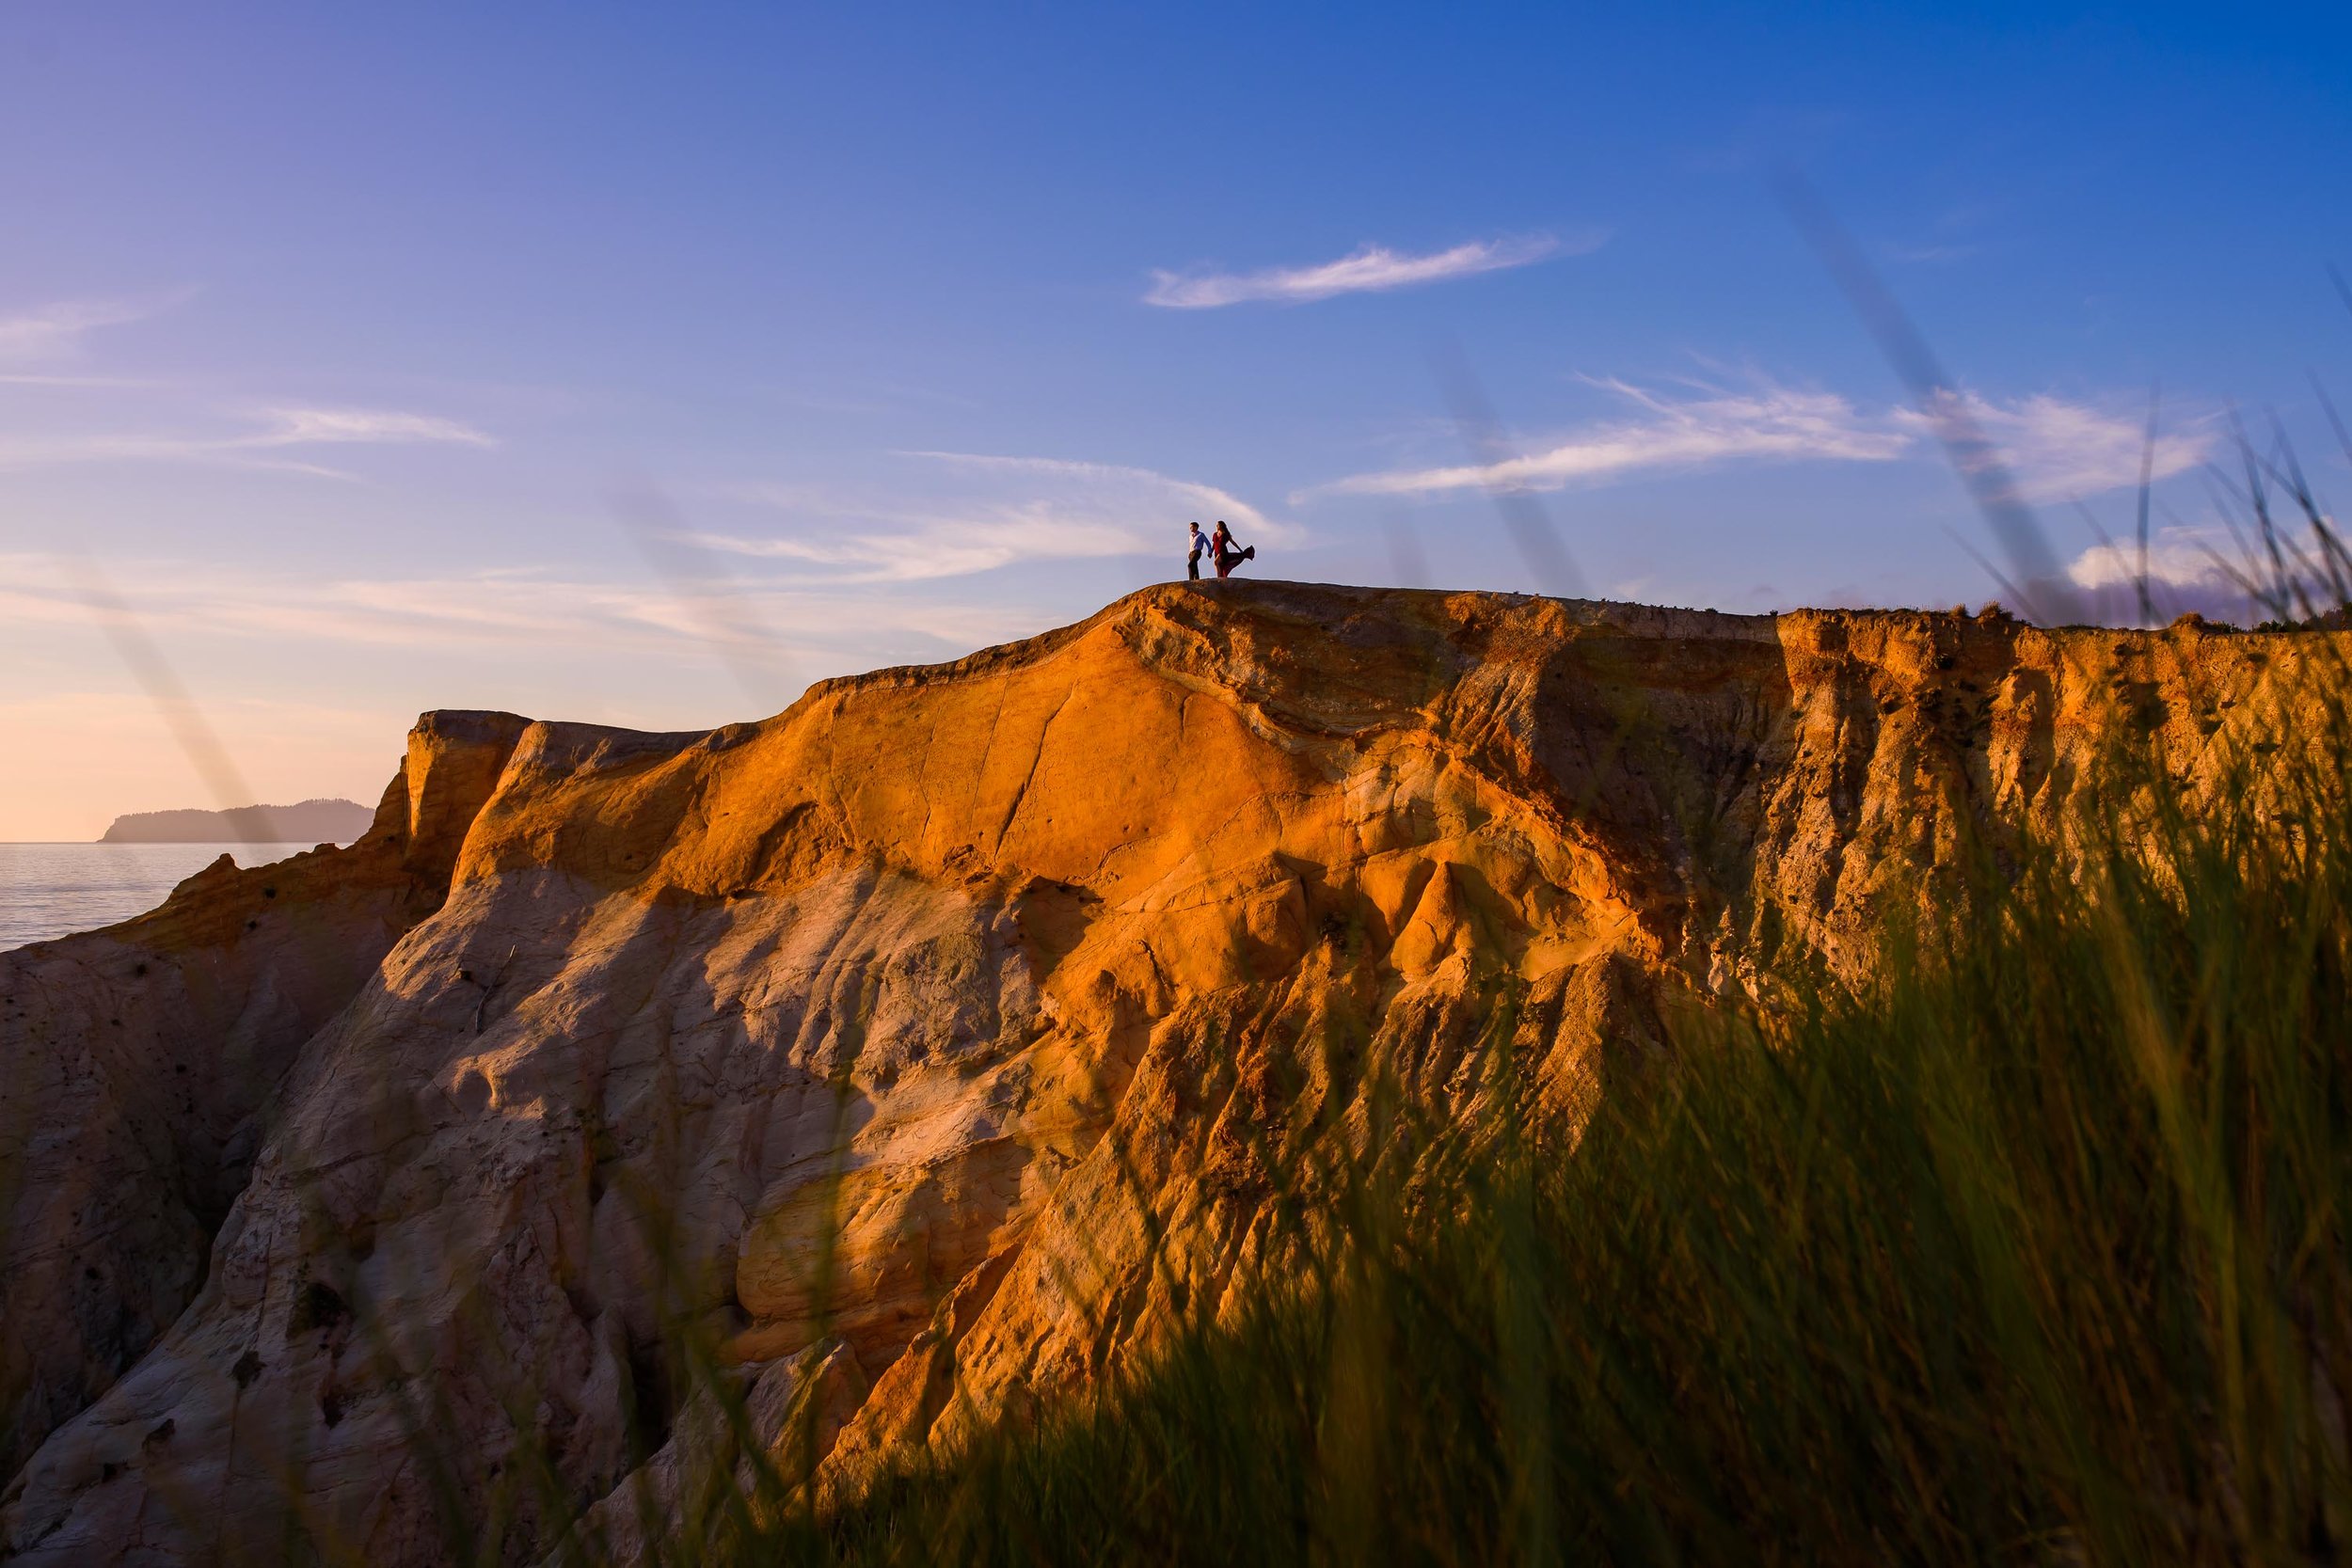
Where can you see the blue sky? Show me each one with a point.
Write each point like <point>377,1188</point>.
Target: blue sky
<point>372,355</point>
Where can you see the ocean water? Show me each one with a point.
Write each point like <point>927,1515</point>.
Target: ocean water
<point>52,889</point>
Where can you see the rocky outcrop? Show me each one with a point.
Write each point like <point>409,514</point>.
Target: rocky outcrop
<point>915,1049</point>
<point>143,1063</point>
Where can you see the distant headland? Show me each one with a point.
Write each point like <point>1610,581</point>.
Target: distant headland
<point>307,822</point>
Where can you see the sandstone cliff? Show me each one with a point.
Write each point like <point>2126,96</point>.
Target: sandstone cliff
<point>450,1129</point>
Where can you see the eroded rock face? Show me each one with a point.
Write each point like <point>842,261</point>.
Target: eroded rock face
<point>599,1033</point>
<point>143,1063</point>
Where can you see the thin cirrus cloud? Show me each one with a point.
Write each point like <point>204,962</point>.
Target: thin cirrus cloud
<point>2054,449</point>
<point>272,434</point>
<point>994,512</point>
<point>1122,483</point>
<point>502,608</point>
<point>294,427</point>
<point>46,335</point>
<point>923,549</point>
<point>55,331</point>
<point>1770,423</point>
<point>1370,269</point>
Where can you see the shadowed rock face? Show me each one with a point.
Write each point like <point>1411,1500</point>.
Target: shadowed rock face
<point>143,1062</point>
<point>567,1049</point>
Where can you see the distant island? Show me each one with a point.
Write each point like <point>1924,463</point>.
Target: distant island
<point>307,822</point>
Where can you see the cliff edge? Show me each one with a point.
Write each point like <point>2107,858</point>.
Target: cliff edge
<point>596,1032</point>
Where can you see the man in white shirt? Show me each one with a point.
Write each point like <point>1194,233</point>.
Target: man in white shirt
<point>1199,543</point>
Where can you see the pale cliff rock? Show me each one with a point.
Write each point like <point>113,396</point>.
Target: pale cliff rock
<point>143,1061</point>
<point>599,1033</point>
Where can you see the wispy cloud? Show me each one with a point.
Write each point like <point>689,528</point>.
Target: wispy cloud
<point>999,511</point>
<point>295,427</point>
<point>2055,449</point>
<point>67,451</point>
<point>55,330</point>
<point>265,444</point>
<point>1118,477</point>
<point>1370,269</point>
<point>247,436</point>
<point>105,383</point>
<point>509,609</point>
<point>1767,423</point>
<point>988,538</point>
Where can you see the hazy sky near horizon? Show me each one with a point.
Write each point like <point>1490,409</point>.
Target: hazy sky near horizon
<point>640,364</point>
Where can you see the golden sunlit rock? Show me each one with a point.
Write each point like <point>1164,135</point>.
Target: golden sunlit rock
<point>875,1042</point>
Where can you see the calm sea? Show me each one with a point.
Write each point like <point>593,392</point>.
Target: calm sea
<point>51,889</point>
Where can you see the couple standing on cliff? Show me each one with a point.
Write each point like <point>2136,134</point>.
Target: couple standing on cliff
<point>1223,554</point>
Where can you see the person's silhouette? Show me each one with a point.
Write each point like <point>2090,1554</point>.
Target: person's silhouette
<point>1226,553</point>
